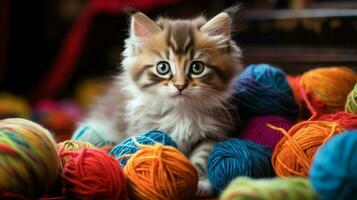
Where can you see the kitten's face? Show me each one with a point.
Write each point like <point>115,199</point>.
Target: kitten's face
<point>182,60</point>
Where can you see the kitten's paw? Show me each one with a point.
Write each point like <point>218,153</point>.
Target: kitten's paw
<point>204,189</point>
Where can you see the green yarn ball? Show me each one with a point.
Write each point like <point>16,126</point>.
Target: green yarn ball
<point>351,102</point>
<point>244,188</point>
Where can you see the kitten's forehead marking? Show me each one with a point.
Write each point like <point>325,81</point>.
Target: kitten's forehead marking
<point>180,37</point>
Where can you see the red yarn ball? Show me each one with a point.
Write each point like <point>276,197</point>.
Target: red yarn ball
<point>93,174</point>
<point>345,119</point>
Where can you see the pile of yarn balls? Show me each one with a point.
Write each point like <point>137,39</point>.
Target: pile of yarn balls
<point>297,141</point>
<point>33,166</point>
<point>294,117</point>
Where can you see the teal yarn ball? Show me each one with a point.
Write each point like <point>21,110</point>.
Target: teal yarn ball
<point>262,89</point>
<point>333,172</point>
<point>86,132</point>
<point>129,146</point>
<point>236,157</point>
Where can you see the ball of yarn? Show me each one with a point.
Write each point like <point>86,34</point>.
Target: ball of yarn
<point>333,172</point>
<point>256,129</point>
<point>93,174</point>
<point>13,106</point>
<point>345,119</point>
<point>293,188</point>
<point>92,134</point>
<point>326,89</point>
<point>160,172</point>
<point>70,146</point>
<point>351,102</point>
<point>28,159</point>
<point>129,146</point>
<point>293,154</point>
<point>236,157</point>
<point>60,117</point>
<point>262,89</point>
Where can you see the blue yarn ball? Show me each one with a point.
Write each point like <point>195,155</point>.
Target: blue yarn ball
<point>89,133</point>
<point>333,172</point>
<point>128,146</point>
<point>237,157</point>
<point>263,89</point>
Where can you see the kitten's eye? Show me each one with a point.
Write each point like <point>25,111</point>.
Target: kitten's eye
<point>163,67</point>
<point>197,67</point>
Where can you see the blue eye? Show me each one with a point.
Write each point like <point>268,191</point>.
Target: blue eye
<point>163,67</point>
<point>197,67</point>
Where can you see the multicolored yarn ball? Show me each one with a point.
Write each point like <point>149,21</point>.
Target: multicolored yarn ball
<point>351,102</point>
<point>93,174</point>
<point>345,119</point>
<point>130,145</point>
<point>256,129</point>
<point>294,188</point>
<point>236,157</point>
<point>262,89</point>
<point>326,89</point>
<point>334,171</point>
<point>28,159</point>
<point>160,172</point>
<point>92,134</point>
<point>293,154</point>
<point>70,146</point>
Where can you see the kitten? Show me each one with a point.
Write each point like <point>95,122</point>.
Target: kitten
<point>177,77</point>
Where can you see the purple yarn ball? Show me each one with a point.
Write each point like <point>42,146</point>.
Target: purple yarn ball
<point>256,130</point>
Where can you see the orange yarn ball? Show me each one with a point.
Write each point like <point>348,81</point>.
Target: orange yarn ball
<point>294,153</point>
<point>160,172</point>
<point>327,88</point>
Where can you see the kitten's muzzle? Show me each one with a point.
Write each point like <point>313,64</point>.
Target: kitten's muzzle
<point>180,88</point>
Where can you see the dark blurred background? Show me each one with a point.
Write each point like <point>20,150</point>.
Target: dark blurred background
<point>49,48</point>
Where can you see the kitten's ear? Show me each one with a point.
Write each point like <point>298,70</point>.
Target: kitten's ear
<point>142,26</point>
<point>220,25</point>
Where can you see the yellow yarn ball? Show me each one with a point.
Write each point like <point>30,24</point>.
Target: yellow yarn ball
<point>351,102</point>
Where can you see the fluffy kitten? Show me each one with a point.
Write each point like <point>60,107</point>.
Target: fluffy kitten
<point>177,78</point>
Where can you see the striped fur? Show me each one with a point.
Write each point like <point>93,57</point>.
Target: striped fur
<point>191,104</point>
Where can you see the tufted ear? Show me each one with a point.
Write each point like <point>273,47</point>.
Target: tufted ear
<point>142,26</point>
<point>220,25</point>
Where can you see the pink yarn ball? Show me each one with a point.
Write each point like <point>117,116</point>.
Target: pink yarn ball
<point>256,130</point>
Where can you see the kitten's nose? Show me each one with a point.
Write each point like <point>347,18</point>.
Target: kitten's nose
<point>180,88</point>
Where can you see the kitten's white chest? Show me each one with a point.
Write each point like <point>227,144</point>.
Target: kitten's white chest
<point>185,126</point>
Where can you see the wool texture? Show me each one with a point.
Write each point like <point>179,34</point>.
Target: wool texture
<point>93,174</point>
<point>333,172</point>
<point>237,157</point>
<point>294,188</point>
<point>293,154</point>
<point>256,129</point>
<point>160,172</point>
<point>28,159</point>
<point>130,145</point>
<point>262,89</point>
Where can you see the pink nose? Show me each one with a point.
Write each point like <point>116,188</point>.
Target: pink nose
<point>180,88</point>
